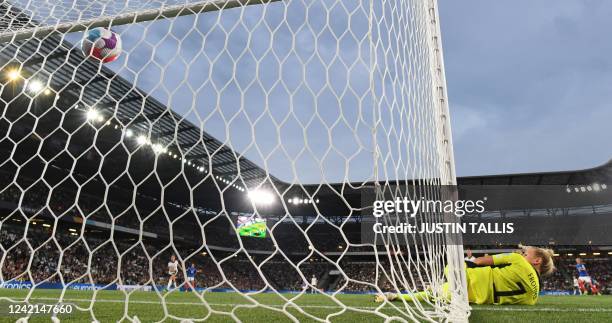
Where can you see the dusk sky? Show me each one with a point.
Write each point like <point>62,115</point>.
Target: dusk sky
<point>530,84</point>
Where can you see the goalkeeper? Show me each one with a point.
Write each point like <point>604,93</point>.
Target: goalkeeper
<point>509,278</point>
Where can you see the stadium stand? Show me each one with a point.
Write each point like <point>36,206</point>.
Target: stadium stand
<point>240,273</point>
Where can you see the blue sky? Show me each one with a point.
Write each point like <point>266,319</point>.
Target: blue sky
<point>530,85</point>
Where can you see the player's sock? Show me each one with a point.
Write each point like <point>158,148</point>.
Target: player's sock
<point>427,294</point>
<point>420,296</point>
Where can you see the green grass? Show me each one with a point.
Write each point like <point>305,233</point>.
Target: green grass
<point>110,306</point>
<point>549,309</point>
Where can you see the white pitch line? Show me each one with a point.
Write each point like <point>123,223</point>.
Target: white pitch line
<point>480,308</point>
<point>540,309</point>
<point>191,303</point>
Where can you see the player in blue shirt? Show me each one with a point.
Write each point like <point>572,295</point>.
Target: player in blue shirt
<point>191,273</point>
<point>583,274</point>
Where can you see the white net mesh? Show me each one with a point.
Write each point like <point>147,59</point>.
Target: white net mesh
<point>215,114</point>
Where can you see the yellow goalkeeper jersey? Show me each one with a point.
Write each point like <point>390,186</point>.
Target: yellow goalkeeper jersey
<point>511,280</point>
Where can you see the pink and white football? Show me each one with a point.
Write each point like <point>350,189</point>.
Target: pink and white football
<point>102,44</point>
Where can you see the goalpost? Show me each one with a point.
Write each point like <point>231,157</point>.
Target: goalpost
<point>269,113</point>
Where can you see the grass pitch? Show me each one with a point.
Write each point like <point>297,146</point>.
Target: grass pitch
<point>110,306</point>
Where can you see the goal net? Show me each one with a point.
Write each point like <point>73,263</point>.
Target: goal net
<point>245,139</point>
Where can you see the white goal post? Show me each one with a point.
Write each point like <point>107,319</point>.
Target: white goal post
<point>220,118</point>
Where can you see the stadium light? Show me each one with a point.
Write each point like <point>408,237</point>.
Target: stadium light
<point>35,86</point>
<point>610,252</point>
<point>129,133</point>
<point>13,74</point>
<point>570,254</point>
<point>47,92</point>
<point>157,148</point>
<point>141,140</point>
<point>596,253</point>
<point>92,115</point>
<point>583,254</point>
<point>260,196</point>
<point>604,186</point>
<point>72,230</point>
<point>46,225</point>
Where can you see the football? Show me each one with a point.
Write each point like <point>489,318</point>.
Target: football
<point>102,44</point>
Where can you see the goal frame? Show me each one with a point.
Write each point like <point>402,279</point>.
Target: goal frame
<point>457,279</point>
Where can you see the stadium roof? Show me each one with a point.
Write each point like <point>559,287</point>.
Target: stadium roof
<point>599,174</point>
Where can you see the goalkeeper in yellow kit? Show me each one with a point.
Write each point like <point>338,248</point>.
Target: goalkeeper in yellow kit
<point>508,278</point>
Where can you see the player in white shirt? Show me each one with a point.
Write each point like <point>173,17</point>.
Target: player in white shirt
<point>172,271</point>
<point>313,282</point>
<point>576,290</point>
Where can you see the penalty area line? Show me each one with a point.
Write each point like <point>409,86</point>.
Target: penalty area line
<point>84,300</point>
<point>509,308</point>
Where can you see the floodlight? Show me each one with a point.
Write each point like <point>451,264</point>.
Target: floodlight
<point>157,148</point>
<point>141,140</point>
<point>13,75</point>
<point>92,114</point>
<point>260,196</point>
<point>35,86</point>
